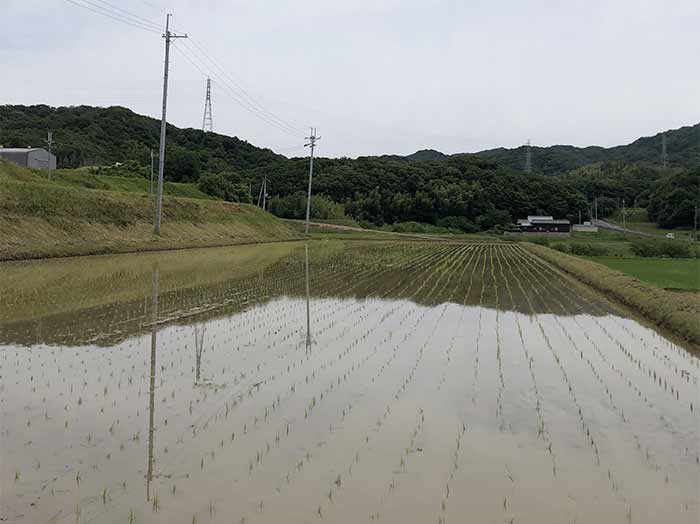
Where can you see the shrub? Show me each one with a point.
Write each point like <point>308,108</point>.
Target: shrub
<point>218,186</point>
<point>458,222</point>
<point>561,246</point>
<point>542,241</point>
<point>662,248</point>
<point>589,250</point>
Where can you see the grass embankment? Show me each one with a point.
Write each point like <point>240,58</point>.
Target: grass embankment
<point>676,311</point>
<point>86,178</point>
<point>44,219</point>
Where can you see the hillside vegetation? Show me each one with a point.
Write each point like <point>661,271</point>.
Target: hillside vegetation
<point>46,219</point>
<point>466,192</point>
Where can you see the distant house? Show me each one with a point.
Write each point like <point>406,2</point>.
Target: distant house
<point>32,157</point>
<point>543,225</point>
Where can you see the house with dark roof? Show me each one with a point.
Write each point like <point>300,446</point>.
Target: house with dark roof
<point>543,225</point>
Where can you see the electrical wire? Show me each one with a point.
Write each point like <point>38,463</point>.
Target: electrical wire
<point>236,97</point>
<point>113,15</point>
<point>199,58</point>
<point>128,14</point>
<point>242,92</point>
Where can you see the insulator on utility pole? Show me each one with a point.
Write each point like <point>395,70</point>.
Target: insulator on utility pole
<point>312,138</point>
<point>168,36</point>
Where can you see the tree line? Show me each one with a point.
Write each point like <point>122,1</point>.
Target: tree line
<point>483,191</point>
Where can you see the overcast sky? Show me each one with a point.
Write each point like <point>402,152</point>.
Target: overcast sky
<point>374,76</point>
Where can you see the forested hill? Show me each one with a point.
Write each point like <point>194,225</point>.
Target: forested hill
<point>683,147</point>
<point>87,135</point>
<point>479,191</point>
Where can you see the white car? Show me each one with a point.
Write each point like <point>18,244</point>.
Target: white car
<point>670,235</point>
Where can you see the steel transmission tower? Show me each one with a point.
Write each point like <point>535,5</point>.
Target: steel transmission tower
<point>207,120</point>
<point>528,156</point>
<point>664,153</point>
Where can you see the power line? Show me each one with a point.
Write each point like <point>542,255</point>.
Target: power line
<point>113,15</point>
<point>235,97</point>
<point>126,13</point>
<point>242,92</point>
<point>200,59</point>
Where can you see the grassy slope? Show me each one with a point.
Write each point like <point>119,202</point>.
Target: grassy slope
<point>42,219</point>
<point>86,179</point>
<point>669,273</point>
<point>673,310</point>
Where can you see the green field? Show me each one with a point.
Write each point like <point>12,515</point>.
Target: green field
<point>662,272</point>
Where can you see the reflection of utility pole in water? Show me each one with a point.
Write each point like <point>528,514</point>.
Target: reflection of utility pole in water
<point>198,348</point>
<point>308,313</point>
<point>152,385</point>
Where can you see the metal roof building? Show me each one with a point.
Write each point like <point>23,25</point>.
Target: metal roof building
<point>32,157</point>
<point>543,224</point>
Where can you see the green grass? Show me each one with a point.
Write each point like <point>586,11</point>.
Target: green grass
<point>613,244</point>
<point>662,272</point>
<point>76,178</point>
<point>86,179</point>
<point>39,218</point>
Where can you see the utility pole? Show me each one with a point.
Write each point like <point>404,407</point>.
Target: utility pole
<point>528,156</point>
<point>595,203</point>
<point>579,217</point>
<point>624,215</point>
<point>262,191</point>
<point>664,153</point>
<point>312,144</point>
<point>264,202</point>
<point>308,313</point>
<point>207,120</point>
<point>49,142</point>
<point>150,188</point>
<point>161,158</point>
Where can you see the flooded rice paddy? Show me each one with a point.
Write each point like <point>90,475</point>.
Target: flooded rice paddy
<point>334,382</point>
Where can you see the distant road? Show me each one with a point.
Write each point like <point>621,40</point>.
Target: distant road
<point>362,230</point>
<point>620,229</point>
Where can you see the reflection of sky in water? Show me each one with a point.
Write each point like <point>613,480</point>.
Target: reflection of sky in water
<point>233,384</point>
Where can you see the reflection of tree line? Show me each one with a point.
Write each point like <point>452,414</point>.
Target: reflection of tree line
<point>110,324</point>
